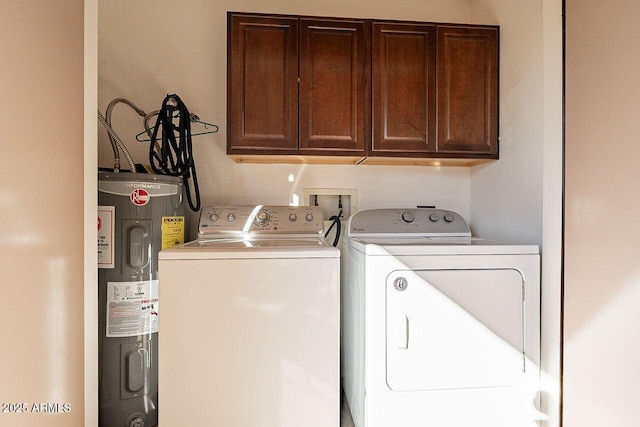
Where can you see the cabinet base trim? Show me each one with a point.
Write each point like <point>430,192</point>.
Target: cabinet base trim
<point>355,160</point>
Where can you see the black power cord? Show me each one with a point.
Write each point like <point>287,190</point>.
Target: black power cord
<point>174,156</point>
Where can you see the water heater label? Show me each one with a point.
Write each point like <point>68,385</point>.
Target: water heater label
<point>106,229</point>
<point>132,308</point>
<point>172,231</point>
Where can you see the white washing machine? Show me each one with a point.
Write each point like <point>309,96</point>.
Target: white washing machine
<point>440,329</point>
<point>249,328</point>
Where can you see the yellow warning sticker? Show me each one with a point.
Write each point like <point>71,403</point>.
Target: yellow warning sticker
<point>172,231</point>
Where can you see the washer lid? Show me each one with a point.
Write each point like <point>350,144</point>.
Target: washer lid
<point>229,248</point>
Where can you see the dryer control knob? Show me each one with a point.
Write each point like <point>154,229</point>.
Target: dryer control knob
<point>434,217</point>
<point>449,217</point>
<point>231,217</point>
<point>408,217</point>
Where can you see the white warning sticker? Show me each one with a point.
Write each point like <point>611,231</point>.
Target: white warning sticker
<point>132,308</point>
<point>106,229</point>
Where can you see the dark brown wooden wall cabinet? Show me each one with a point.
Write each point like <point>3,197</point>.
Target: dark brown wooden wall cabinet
<point>404,76</point>
<point>297,86</point>
<point>467,90</point>
<point>361,90</point>
<point>334,96</point>
<point>262,83</point>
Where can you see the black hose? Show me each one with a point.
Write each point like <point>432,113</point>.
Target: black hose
<point>336,222</point>
<point>174,155</point>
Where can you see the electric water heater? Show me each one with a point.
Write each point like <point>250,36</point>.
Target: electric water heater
<point>138,215</point>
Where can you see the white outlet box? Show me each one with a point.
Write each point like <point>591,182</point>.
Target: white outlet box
<point>328,199</point>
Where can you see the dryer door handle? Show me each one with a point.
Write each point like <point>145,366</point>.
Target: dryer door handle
<point>401,332</point>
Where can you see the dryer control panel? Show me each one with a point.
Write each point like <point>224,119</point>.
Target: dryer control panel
<point>429,222</point>
<point>260,219</point>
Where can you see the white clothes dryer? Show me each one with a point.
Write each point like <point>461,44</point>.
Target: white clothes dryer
<point>250,322</point>
<point>439,328</point>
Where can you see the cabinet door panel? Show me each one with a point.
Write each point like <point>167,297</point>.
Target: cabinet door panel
<point>263,87</point>
<point>403,89</point>
<point>333,85</point>
<point>467,90</point>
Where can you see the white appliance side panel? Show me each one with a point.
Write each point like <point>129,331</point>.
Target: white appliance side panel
<point>353,331</point>
<point>478,407</point>
<point>449,329</point>
<point>249,342</point>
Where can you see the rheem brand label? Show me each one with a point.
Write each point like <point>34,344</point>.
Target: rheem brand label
<point>139,197</point>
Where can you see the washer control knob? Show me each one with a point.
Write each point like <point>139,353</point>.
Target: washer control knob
<point>449,217</point>
<point>309,217</point>
<point>231,217</point>
<point>408,217</point>
<point>262,218</point>
<point>213,217</point>
<point>434,217</point>
<point>293,217</point>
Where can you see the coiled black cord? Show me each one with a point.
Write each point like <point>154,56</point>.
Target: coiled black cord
<point>336,222</point>
<point>174,156</point>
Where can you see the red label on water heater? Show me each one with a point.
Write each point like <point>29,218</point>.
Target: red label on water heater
<point>139,197</point>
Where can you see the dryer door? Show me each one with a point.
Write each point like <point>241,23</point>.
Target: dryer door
<point>453,329</point>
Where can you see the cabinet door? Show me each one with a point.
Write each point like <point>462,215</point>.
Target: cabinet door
<point>334,91</point>
<point>467,85</point>
<point>262,91</point>
<point>404,113</point>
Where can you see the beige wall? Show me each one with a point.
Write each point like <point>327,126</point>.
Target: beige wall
<point>42,205</point>
<point>90,203</point>
<point>506,195</point>
<point>602,271</point>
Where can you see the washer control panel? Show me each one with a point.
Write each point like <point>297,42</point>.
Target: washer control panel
<point>408,222</point>
<point>260,219</point>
